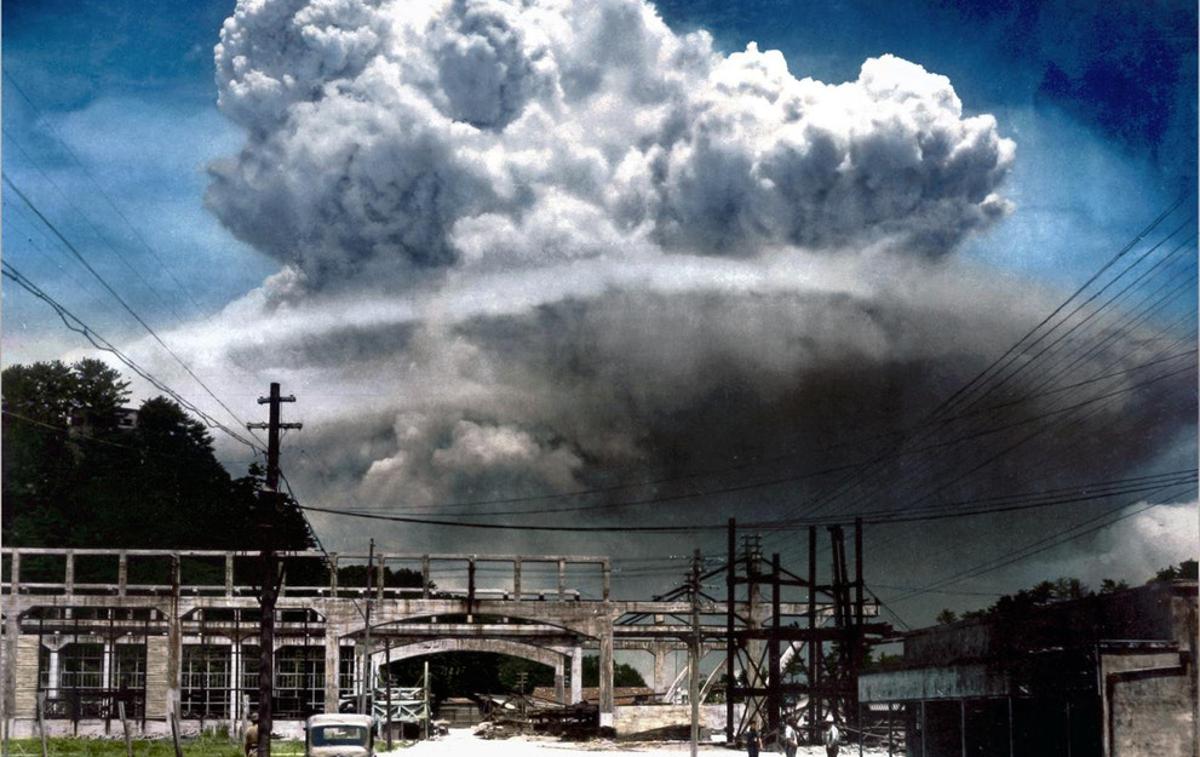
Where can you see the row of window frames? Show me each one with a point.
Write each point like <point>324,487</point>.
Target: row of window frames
<point>82,666</point>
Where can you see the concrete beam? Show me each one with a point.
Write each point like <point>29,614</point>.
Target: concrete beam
<point>542,655</point>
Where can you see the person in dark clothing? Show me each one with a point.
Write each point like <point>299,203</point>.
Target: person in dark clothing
<point>753,741</point>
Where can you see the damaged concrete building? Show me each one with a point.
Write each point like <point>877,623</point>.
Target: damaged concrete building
<point>1111,674</point>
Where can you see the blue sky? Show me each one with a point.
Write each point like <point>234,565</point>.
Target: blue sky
<point>1100,99</point>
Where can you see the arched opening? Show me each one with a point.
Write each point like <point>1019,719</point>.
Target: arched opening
<point>470,680</point>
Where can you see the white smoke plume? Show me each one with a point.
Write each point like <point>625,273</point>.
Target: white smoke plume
<point>390,138</point>
<point>532,247</point>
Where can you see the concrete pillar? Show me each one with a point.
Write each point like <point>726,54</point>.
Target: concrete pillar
<point>235,681</point>
<point>517,579</point>
<point>69,578</point>
<point>106,668</point>
<point>560,694</point>
<point>576,675</point>
<point>174,662</point>
<point>660,664</point>
<point>52,680</point>
<point>12,630</point>
<point>333,659</point>
<point>607,703</point>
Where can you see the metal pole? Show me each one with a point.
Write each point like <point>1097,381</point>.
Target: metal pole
<point>236,680</point>
<point>860,730</point>
<point>891,741</point>
<point>962,725</point>
<point>41,714</point>
<point>730,643</point>
<point>204,675</point>
<point>387,664</point>
<point>1068,728</point>
<point>364,698</point>
<point>428,714</point>
<point>125,729</point>
<point>924,734</point>
<point>1011,751</point>
<point>108,674</point>
<point>146,672</point>
<point>814,644</point>
<point>774,673</point>
<point>694,648</point>
<point>859,640</point>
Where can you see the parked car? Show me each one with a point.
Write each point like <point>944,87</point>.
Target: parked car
<point>339,735</point>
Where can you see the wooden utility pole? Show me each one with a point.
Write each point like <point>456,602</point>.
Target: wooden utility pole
<point>271,503</point>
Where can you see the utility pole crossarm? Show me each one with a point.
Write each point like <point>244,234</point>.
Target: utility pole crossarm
<point>270,590</point>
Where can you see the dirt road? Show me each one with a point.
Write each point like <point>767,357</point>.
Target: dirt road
<point>461,743</point>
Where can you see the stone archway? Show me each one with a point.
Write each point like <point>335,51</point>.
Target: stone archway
<point>556,658</point>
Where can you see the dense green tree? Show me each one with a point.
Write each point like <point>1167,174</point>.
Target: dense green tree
<point>74,477</point>
<point>1062,590</point>
<point>465,674</point>
<point>623,674</point>
<point>1109,586</point>
<point>1186,571</point>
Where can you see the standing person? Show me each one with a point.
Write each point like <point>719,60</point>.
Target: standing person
<point>752,740</point>
<point>833,736</point>
<point>791,738</point>
<point>250,740</point>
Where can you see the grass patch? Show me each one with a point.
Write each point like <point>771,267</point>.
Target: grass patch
<point>202,747</point>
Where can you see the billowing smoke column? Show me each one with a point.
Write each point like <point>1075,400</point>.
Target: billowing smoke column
<point>533,247</point>
<point>393,138</point>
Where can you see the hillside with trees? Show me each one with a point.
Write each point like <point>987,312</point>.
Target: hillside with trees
<point>79,471</point>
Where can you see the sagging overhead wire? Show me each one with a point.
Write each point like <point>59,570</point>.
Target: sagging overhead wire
<point>76,324</point>
<point>128,308</point>
<point>186,291</point>
<point>1083,493</point>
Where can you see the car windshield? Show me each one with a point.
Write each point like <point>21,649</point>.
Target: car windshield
<point>339,735</point>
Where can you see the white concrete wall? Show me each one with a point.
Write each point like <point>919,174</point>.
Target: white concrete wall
<point>638,718</point>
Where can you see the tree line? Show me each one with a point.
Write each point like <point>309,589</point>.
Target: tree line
<point>77,473</point>
<point>1060,590</point>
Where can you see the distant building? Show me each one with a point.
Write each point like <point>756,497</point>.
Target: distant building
<point>127,417</point>
<point>127,420</point>
<point>1110,675</point>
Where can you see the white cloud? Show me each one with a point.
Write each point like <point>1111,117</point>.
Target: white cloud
<point>544,246</point>
<point>385,139</point>
<point>1138,546</point>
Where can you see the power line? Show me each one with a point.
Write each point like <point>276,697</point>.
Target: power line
<point>79,256</point>
<point>850,484</point>
<point>948,402</point>
<point>1039,546</point>
<point>95,183</point>
<point>74,323</point>
<point>136,271</point>
<point>879,517</point>
<point>933,421</point>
